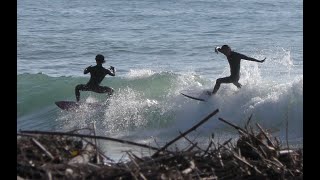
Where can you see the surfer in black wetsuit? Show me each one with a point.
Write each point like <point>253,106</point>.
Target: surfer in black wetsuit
<point>97,73</point>
<point>234,63</point>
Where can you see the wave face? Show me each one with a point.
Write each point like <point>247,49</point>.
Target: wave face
<point>148,103</point>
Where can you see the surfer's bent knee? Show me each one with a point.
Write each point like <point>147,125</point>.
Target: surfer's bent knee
<point>79,87</point>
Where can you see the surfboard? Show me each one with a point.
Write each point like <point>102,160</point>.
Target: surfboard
<point>72,105</point>
<point>196,94</point>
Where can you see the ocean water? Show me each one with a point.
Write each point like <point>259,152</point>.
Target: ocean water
<point>158,49</point>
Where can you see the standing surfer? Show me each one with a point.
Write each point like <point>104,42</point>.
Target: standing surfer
<point>97,73</point>
<point>234,63</point>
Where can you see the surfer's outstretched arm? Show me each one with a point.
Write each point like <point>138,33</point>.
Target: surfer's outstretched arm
<point>252,59</point>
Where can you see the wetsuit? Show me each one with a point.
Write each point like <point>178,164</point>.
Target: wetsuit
<point>234,62</point>
<point>97,75</point>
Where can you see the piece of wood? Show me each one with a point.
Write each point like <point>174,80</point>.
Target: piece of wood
<point>270,143</point>
<point>185,133</point>
<point>42,148</point>
<point>95,142</point>
<point>89,136</point>
<point>233,125</point>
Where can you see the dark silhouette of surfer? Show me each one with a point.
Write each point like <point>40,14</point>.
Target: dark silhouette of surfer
<point>97,73</point>
<point>234,63</point>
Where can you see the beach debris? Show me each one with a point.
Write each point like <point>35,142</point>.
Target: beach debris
<point>255,154</point>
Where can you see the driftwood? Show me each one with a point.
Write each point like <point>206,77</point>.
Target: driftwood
<point>251,156</point>
<point>95,142</point>
<point>88,136</point>
<point>42,148</point>
<point>188,131</point>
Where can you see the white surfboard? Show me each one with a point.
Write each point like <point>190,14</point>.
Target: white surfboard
<point>197,94</point>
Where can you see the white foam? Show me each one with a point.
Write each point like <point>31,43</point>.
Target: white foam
<point>139,73</point>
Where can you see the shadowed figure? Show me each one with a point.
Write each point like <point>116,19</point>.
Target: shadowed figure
<point>234,63</point>
<point>97,73</point>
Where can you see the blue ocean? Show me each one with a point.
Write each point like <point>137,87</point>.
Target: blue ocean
<point>158,49</point>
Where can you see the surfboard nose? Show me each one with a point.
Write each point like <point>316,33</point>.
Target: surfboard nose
<point>197,94</point>
<point>66,105</point>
